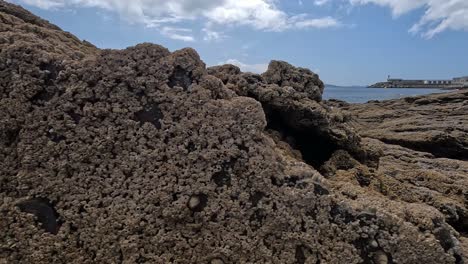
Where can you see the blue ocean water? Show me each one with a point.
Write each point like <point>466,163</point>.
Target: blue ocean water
<point>364,94</point>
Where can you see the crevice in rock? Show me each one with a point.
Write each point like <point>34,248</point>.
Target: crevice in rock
<point>316,148</point>
<point>460,224</point>
<point>11,137</point>
<point>222,178</point>
<point>51,70</point>
<point>42,97</point>
<point>151,114</point>
<point>446,239</point>
<point>442,148</point>
<point>45,212</point>
<point>299,255</point>
<point>256,197</point>
<point>180,77</point>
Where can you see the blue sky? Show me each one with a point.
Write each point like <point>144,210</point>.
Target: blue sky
<point>347,42</point>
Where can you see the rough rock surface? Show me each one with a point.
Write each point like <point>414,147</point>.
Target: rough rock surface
<point>291,99</point>
<point>144,156</point>
<point>437,123</point>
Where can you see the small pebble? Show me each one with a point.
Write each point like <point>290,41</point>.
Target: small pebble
<point>194,202</point>
<point>217,261</point>
<point>374,243</point>
<point>380,257</point>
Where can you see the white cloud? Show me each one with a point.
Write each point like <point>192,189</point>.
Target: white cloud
<point>321,2</point>
<point>398,7</point>
<point>211,35</point>
<point>258,14</point>
<point>440,15</point>
<point>44,4</point>
<point>178,33</point>
<point>326,22</point>
<point>255,68</point>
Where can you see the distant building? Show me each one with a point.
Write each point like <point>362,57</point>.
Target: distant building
<point>463,81</point>
<point>447,82</point>
<point>402,83</point>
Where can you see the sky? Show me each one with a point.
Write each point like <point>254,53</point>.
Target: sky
<point>346,42</point>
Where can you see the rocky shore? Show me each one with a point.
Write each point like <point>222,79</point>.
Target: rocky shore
<point>144,155</point>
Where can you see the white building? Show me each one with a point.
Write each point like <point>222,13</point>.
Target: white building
<point>463,81</point>
<point>446,82</point>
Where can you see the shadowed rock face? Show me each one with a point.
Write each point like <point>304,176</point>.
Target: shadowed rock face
<point>145,156</point>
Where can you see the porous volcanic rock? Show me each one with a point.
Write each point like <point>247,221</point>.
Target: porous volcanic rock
<point>142,155</point>
<point>293,108</point>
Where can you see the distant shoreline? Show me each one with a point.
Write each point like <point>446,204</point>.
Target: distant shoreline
<point>422,87</point>
<point>384,85</point>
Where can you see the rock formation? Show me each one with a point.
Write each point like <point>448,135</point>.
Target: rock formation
<point>437,124</point>
<point>145,156</point>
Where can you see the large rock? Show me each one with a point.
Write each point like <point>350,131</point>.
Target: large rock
<point>291,99</point>
<point>437,123</point>
<point>143,156</point>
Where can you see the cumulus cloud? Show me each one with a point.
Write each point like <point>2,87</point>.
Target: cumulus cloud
<point>440,15</point>
<point>182,34</point>
<point>254,68</point>
<point>258,14</point>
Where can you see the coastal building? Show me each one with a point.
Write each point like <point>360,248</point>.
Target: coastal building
<point>402,83</point>
<point>447,82</point>
<point>420,82</point>
<point>463,81</point>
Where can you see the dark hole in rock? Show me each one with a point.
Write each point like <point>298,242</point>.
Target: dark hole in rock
<point>258,217</point>
<point>446,239</point>
<point>316,148</point>
<point>291,181</point>
<point>198,202</point>
<point>256,197</point>
<point>76,117</point>
<point>457,218</point>
<point>303,226</point>
<point>320,190</point>
<point>339,213</point>
<point>55,137</point>
<point>367,252</point>
<point>73,228</point>
<point>180,77</point>
<point>275,181</point>
<point>191,147</point>
<point>11,137</point>
<point>44,211</point>
<point>151,114</point>
<point>42,97</point>
<point>222,178</point>
<point>460,224</point>
<point>363,180</point>
<point>243,147</point>
<point>51,71</point>
<point>300,255</point>
<point>120,257</point>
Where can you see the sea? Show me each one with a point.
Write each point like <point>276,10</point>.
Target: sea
<point>357,94</point>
